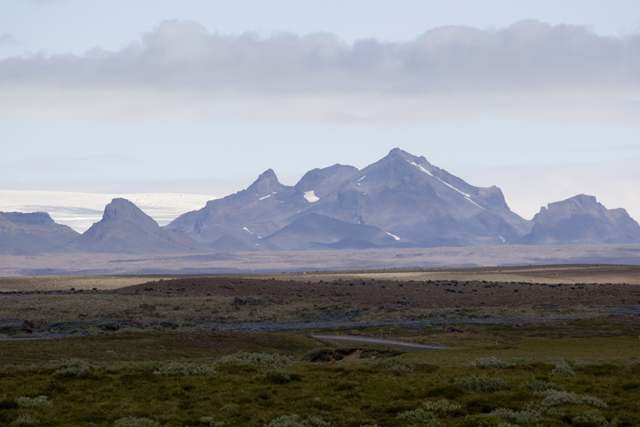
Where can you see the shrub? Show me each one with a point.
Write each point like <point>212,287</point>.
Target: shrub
<point>255,359</point>
<point>175,369</point>
<point>481,421</point>
<point>230,408</point>
<point>526,416</point>
<point>541,385</point>
<point>563,370</point>
<point>211,422</point>
<point>591,418</point>
<point>482,383</point>
<point>394,364</point>
<point>136,422</point>
<point>33,402</point>
<point>277,376</point>
<point>25,419</point>
<point>72,368</point>
<point>593,401</point>
<point>441,406</point>
<point>490,363</point>
<point>557,398</point>
<point>297,421</point>
<point>130,367</point>
<point>425,417</point>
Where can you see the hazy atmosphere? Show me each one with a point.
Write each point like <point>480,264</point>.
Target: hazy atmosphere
<point>541,98</point>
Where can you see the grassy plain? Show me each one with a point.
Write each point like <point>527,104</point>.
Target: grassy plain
<point>604,376</point>
<point>122,365</point>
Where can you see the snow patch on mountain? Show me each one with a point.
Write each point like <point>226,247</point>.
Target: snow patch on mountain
<point>469,200</point>
<point>392,235</point>
<point>421,168</point>
<point>311,196</point>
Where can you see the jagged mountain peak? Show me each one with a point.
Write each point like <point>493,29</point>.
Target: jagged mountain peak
<point>397,155</point>
<point>266,183</point>
<point>120,209</point>
<point>125,228</point>
<point>324,180</point>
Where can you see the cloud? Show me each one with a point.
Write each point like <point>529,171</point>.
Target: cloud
<point>181,70</point>
<point>6,38</point>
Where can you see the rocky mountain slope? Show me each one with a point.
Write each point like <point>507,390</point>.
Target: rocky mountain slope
<point>407,201</point>
<point>124,228</point>
<point>30,233</point>
<point>581,220</point>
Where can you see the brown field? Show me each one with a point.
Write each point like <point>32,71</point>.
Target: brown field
<point>569,291</point>
<point>545,274</point>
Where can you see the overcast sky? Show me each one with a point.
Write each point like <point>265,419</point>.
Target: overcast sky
<point>541,98</point>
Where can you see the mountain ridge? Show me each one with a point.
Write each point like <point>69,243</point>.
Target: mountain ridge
<point>400,201</point>
<point>400,194</point>
<point>582,220</point>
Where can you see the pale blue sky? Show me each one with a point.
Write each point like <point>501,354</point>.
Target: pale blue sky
<point>174,96</point>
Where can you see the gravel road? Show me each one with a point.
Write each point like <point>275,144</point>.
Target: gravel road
<point>400,345</point>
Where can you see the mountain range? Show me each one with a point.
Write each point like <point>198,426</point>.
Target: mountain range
<point>401,201</point>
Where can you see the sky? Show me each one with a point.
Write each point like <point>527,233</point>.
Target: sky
<point>541,98</point>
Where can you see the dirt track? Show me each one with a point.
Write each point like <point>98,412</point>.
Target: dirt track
<point>400,345</point>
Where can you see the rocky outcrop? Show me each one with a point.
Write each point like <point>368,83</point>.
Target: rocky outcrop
<point>124,228</point>
<point>30,233</point>
<point>581,220</point>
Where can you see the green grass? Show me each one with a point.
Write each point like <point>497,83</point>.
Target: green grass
<point>151,346</point>
<point>343,393</point>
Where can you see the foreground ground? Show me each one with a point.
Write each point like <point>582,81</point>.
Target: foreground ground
<point>540,346</point>
<point>532,375</point>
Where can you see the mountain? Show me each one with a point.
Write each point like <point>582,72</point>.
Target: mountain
<point>314,231</point>
<point>29,233</point>
<point>124,228</point>
<point>401,195</point>
<point>581,220</point>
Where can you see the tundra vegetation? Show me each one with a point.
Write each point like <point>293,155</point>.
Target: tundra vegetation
<point>488,377</point>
